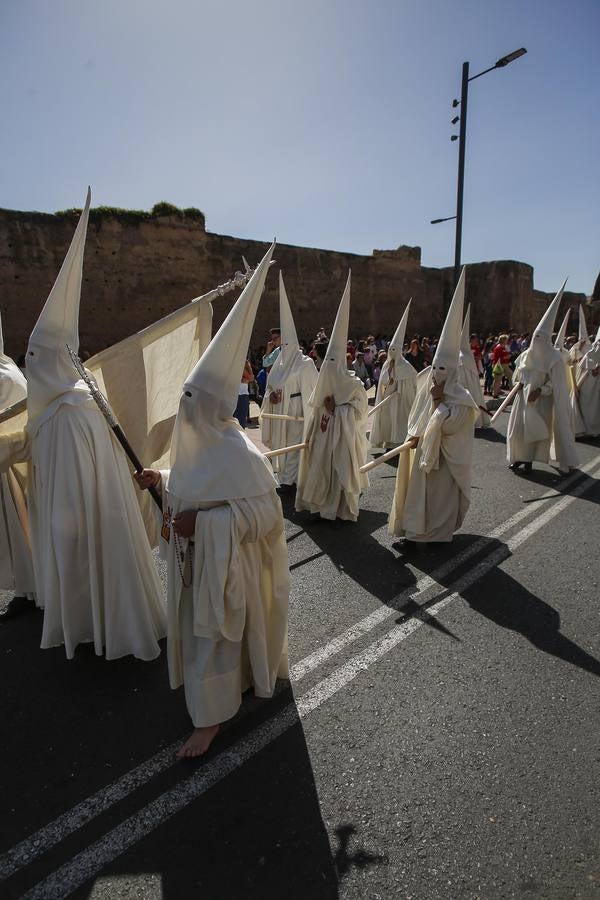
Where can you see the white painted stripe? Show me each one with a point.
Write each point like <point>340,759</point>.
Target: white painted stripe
<point>91,861</point>
<point>25,852</point>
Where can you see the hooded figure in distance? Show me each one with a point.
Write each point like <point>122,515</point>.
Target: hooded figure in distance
<point>329,480</point>
<point>433,481</point>
<point>94,571</point>
<point>398,382</point>
<point>468,375</point>
<point>540,426</point>
<point>289,387</point>
<point>16,566</point>
<point>223,539</point>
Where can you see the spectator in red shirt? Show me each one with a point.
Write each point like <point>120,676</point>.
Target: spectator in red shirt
<point>500,361</point>
<point>476,351</point>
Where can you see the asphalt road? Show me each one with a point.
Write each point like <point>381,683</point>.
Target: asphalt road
<point>439,738</point>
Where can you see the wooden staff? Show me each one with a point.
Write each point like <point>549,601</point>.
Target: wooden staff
<point>292,449</point>
<point>281,416</point>
<point>510,396</point>
<point>389,455</point>
<point>104,407</point>
<point>380,404</point>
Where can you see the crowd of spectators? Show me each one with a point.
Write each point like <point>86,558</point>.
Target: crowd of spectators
<point>494,355</point>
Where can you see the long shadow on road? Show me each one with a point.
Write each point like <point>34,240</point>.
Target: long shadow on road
<point>503,600</point>
<point>254,834</point>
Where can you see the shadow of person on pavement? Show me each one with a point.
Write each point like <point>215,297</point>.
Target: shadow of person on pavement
<point>355,552</point>
<point>360,859</point>
<point>502,600</point>
<point>510,605</point>
<point>256,833</point>
<point>552,479</point>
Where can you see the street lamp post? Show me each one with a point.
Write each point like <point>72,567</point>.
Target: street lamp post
<point>462,136</point>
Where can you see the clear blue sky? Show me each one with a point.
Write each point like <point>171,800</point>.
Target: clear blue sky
<point>324,122</point>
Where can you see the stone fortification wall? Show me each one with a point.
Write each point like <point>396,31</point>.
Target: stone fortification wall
<point>139,267</point>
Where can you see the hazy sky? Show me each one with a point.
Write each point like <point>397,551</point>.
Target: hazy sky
<point>323,122</point>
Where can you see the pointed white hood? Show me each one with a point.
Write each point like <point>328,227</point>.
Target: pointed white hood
<point>402,369</point>
<point>446,358</point>
<point>541,355</point>
<point>559,343</point>
<point>444,367</point>
<point>290,358</point>
<point>465,338</point>
<point>50,372</point>
<point>583,332</point>
<point>13,386</point>
<point>212,459</point>
<point>334,377</point>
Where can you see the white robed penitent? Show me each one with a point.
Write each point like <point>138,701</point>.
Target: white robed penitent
<point>289,387</point>
<point>398,387</point>
<point>228,587</point>
<point>329,480</point>
<point>588,392</point>
<point>16,565</point>
<point>542,429</point>
<point>94,571</point>
<point>433,482</point>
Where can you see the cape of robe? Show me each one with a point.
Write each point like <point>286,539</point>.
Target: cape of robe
<point>227,624</point>
<point>431,501</point>
<point>94,571</point>
<point>329,480</point>
<point>587,396</point>
<point>543,429</point>
<point>275,433</point>
<point>391,421</point>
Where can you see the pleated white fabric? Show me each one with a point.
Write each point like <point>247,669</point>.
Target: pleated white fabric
<point>227,624</point>
<point>16,565</point>
<point>542,430</point>
<point>293,395</point>
<point>329,480</point>
<point>588,393</point>
<point>93,566</point>
<point>391,421</point>
<point>430,502</point>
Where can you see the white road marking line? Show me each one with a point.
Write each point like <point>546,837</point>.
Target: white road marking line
<point>89,862</point>
<point>25,852</point>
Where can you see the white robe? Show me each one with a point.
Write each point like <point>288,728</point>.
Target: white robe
<point>94,571</point>
<point>227,629</point>
<point>329,480</point>
<point>541,430</point>
<point>429,506</point>
<point>276,433</point>
<point>16,565</point>
<point>587,396</point>
<point>391,421</point>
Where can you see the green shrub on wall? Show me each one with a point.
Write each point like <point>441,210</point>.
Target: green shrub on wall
<point>135,216</point>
